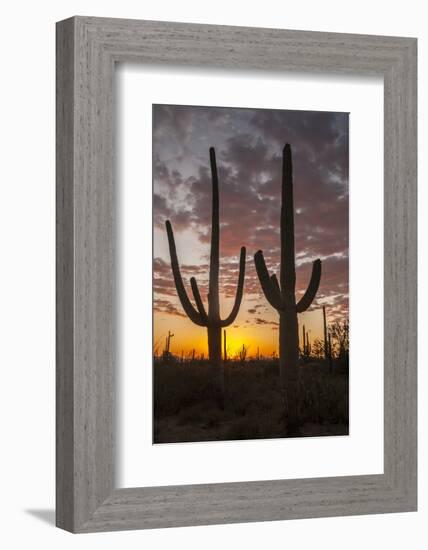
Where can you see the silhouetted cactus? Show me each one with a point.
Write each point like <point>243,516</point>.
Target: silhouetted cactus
<point>324,318</point>
<point>281,295</point>
<point>198,315</point>
<point>308,345</point>
<point>327,342</point>
<point>242,354</point>
<point>305,345</point>
<point>166,353</point>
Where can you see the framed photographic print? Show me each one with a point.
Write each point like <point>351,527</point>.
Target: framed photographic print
<point>241,382</point>
<point>236,274</point>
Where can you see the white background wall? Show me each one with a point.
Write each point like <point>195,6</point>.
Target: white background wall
<point>27,272</point>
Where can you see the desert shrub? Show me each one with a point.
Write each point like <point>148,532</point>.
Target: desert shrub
<point>184,409</point>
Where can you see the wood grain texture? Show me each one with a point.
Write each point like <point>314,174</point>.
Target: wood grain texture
<point>64,277</point>
<point>87,49</point>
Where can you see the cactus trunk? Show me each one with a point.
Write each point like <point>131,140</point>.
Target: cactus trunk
<point>327,354</point>
<point>324,318</point>
<point>288,365</point>
<point>304,341</point>
<point>214,354</point>
<point>214,328</point>
<point>281,296</point>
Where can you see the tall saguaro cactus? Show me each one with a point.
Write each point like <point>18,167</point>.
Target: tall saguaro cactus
<point>324,318</point>
<point>211,319</point>
<point>304,346</point>
<point>281,294</point>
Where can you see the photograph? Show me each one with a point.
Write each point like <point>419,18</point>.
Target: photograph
<point>250,273</point>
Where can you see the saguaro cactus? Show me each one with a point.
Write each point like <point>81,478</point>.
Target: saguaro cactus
<point>199,316</point>
<point>324,318</point>
<point>166,352</point>
<point>327,342</point>
<point>281,295</point>
<point>168,341</point>
<point>304,346</point>
<point>308,345</point>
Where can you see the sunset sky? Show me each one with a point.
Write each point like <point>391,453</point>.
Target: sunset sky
<point>248,144</point>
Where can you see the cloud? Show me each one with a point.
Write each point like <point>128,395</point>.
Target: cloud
<point>260,321</point>
<point>165,306</point>
<point>249,146</point>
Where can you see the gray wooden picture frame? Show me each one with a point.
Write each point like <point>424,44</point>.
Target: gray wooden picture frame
<point>87,50</point>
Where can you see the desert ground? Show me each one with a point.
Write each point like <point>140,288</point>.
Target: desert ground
<point>253,408</point>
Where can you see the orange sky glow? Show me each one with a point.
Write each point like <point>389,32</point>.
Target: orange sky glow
<point>248,144</point>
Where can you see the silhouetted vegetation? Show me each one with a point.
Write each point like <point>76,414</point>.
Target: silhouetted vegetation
<point>211,318</point>
<point>281,294</point>
<point>185,408</point>
<point>303,392</point>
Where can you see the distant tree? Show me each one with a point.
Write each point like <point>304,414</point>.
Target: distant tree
<point>339,331</point>
<point>317,348</point>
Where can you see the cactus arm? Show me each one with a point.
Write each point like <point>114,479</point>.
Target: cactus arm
<point>275,284</point>
<point>198,300</point>
<point>308,297</point>
<point>265,281</point>
<point>239,290</point>
<point>181,291</point>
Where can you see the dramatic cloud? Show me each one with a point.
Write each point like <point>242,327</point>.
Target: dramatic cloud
<point>260,321</point>
<point>164,306</point>
<point>249,145</point>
